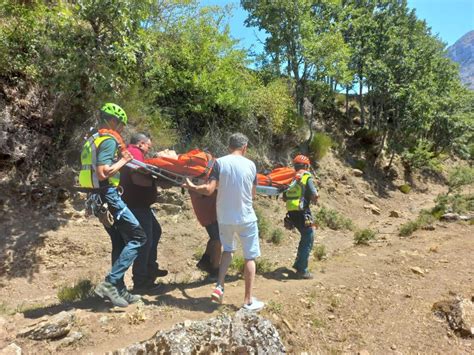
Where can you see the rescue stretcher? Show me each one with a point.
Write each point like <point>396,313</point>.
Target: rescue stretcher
<point>197,165</point>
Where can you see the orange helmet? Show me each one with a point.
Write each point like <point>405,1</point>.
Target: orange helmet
<point>301,159</point>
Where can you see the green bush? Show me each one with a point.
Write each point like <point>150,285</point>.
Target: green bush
<point>326,217</point>
<point>320,252</point>
<point>408,228</point>
<point>424,219</point>
<point>364,236</point>
<point>82,289</point>
<point>263,225</point>
<point>360,164</point>
<point>319,146</point>
<point>237,264</point>
<point>456,203</point>
<point>263,265</point>
<point>422,157</point>
<point>461,176</point>
<point>277,236</point>
<point>405,188</point>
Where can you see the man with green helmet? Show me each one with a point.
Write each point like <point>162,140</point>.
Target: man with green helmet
<point>102,157</point>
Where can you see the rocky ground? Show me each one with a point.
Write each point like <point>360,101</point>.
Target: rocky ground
<point>378,298</point>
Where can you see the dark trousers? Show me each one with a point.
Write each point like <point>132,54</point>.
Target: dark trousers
<point>306,242</point>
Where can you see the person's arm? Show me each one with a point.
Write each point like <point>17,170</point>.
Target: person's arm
<point>105,171</point>
<point>208,188</point>
<point>313,190</point>
<point>205,189</point>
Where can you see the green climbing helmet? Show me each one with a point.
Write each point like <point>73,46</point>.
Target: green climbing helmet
<point>116,111</point>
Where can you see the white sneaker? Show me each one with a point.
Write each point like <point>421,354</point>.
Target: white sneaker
<point>255,306</point>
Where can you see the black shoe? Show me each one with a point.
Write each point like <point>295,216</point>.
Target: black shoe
<point>161,272</point>
<point>304,275</point>
<point>144,287</point>
<point>205,263</point>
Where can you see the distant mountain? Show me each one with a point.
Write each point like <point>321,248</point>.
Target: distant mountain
<point>462,52</point>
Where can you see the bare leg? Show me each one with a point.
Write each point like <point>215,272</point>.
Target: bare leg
<point>225,262</point>
<point>249,276</point>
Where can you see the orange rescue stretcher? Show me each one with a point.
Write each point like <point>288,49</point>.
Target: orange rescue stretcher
<point>197,165</point>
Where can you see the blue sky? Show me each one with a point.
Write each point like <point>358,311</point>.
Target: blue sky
<point>450,19</point>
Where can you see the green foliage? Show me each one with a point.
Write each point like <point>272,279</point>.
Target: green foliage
<point>461,176</point>
<point>263,265</point>
<point>405,188</point>
<point>237,264</point>
<point>326,217</point>
<point>360,164</point>
<point>320,252</point>
<point>277,236</point>
<point>457,203</point>
<point>319,146</point>
<point>82,289</point>
<point>422,157</point>
<point>364,236</point>
<point>263,224</point>
<point>408,228</point>
<point>424,219</point>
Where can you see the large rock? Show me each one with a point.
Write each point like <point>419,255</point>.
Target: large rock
<point>54,328</point>
<point>459,313</point>
<point>244,333</point>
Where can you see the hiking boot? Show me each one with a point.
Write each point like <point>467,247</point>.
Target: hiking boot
<point>254,306</point>
<point>304,275</point>
<point>218,294</point>
<point>106,289</point>
<point>127,296</point>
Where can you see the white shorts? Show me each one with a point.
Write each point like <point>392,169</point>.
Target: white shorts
<point>248,234</point>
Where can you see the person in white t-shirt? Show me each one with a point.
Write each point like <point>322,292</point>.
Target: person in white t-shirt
<point>235,178</point>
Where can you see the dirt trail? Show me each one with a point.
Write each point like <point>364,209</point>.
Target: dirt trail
<point>362,298</point>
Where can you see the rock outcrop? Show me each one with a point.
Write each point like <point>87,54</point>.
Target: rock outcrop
<point>243,333</point>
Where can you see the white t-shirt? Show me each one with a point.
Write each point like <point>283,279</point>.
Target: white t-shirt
<point>236,175</point>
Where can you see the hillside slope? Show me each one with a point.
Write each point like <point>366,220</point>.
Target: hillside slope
<point>362,298</point>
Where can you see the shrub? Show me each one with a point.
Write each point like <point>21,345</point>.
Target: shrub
<point>326,217</point>
<point>79,291</point>
<point>360,164</point>
<point>319,146</point>
<point>422,157</point>
<point>364,236</point>
<point>263,265</point>
<point>408,228</point>
<point>237,264</point>
<point>263,225</point>
<point>424,219</point>
<point>277,236</point>
<point>320,252</point>
<point>460,176</point>
<point>405,188</point>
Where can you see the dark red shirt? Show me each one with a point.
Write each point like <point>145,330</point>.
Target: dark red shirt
<point>136,196</point>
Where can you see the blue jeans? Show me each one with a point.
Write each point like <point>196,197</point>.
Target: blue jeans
<point>146,265</point>
<point>306,242</point>
<point>127,237</point>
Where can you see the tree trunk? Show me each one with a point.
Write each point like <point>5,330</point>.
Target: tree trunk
<point>361,102</point>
